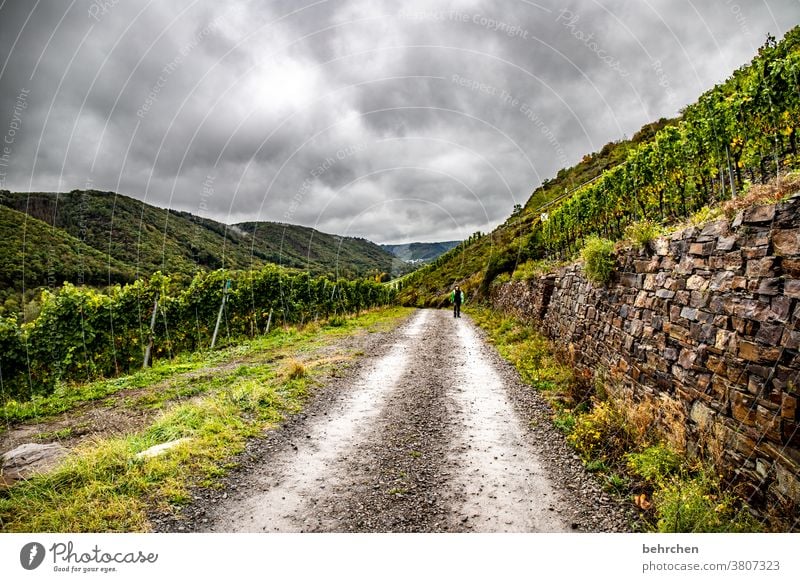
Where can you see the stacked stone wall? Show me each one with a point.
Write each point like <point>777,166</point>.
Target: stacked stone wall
<point>710,317</point>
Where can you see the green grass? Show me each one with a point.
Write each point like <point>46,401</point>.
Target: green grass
<point>529,352</point>
<point>102,487</point>
<point>68,396</point>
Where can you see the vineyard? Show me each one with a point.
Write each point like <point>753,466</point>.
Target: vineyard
<point>81,334</point>
<point>740,132</point>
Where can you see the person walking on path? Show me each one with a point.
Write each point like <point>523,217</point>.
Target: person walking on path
<point>457,298</point>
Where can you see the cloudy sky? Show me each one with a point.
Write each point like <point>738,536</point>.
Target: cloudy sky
<point>395,121</point>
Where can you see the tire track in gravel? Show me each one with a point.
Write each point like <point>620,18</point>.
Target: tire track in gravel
<point>502,484</point>
<point>435,433</point>
<point>283,495</point>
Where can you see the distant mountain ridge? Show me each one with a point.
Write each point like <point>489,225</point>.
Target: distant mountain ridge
<point>102,237</point>
<point>419,252</point>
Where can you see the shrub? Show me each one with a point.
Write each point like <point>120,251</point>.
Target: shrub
<point>642,233</point>
<point>654,464</point>
<point>564,421</point>
<point>295,370</point>
<point>696,504</point>
<point>532,269</point>
<point>598,254</point>
<point>601,433</point>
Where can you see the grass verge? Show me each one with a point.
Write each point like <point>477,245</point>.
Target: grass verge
<point>102,486</point>
<point>634,448</point>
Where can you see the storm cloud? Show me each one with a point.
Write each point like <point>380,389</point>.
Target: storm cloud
<point>395,121</point>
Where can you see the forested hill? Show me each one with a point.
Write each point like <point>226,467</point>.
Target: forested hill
<point>92,228</point>
<point>740,133</point>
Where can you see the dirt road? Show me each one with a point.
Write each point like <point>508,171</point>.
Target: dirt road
<point>431,432</point>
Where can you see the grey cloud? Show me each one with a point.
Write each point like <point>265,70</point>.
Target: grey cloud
<point>353,116</point>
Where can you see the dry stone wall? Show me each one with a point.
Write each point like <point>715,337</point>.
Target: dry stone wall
<point>709,316</point>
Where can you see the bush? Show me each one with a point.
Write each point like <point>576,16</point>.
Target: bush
<point>532,269</point>
<point>697,504</point>
<point>295,370</point>
<point>654,464</point>
<point>498,263</point>
<point>601,433</point>
<point>642,233</point>
<point>598,254</point>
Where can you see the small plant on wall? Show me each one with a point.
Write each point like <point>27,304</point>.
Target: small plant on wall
<point>598,255</point>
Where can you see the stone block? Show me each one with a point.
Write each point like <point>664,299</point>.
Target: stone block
<point>739,284</point>
<point>755,385</point>
<point>684,267</point>
<point>702,415</point>
<point>753,352</point>
<point>697,283</point>
<point>713,230</point>
<point>30,459</point>
<point>721,281</point>
<point>788,407</point>
<point>791,268</point>
<point>689,313</point>
<point>769,286</point>
<point>727,243</point>
<point>708,334</point>
<point>759,214</point>
<point>630,280</point>
<point>698,299</point>
<point>660,246</point>
<point>687,358</point>
<point>770,334</point>
<point>760,268</point>
<point>703,316</point>
<point>779,308</point>
<point>753,253</point>
<point>723,339</point>
<point>743,408</point>
<point>676,332</point>
<point>769,423</point>
<point>791,288</point>
<point>786,242</point>
<point>743,443</point>
<point>665,294</point>
<point>733,261</point>
<point>787,482</point>
<point>701,249</point>
<point>790,339</point>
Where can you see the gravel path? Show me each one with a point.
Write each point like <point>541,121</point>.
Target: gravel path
<point>431,432</point>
